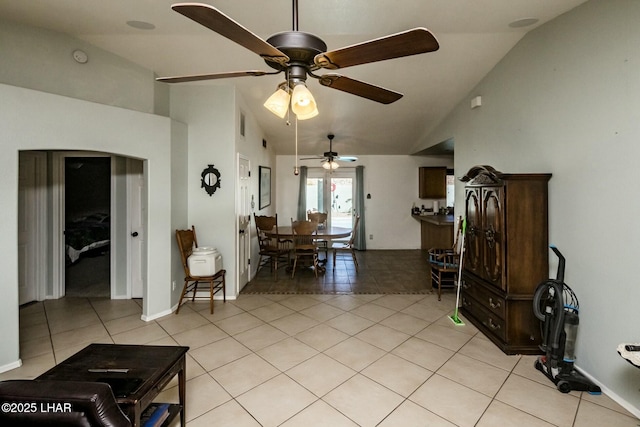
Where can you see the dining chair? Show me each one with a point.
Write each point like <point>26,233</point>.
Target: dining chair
<point>187,240</point>
<point>304,243</point>
<point>320,218</point>
<point>348,246</point>
<point>444,264</point>
<point>272,248</point>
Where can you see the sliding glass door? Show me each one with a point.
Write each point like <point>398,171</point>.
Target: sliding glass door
<point>332,192</point>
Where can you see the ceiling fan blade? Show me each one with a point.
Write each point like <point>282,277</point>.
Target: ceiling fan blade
<point>347,158</point>
<point>198,77</point>
<point>217,21</point>
<point>411,42</point>
<point>311,158</point>
<point>359,88</point>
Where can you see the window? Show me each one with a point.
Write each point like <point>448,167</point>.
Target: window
<point>451,187</point>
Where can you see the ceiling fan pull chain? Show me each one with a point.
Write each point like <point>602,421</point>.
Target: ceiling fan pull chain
<point>296,171</point>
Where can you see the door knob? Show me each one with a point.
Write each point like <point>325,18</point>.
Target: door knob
<point>134,234</point>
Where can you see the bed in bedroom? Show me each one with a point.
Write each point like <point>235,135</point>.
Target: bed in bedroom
<point>87,236</point>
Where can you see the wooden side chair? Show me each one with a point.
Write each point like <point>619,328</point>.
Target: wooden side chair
<point>320,218</point>
<point>304,243</point>
<point>444,264</point>
<point>272,249</point>
<point>348,246</point>
<point>186,242</point>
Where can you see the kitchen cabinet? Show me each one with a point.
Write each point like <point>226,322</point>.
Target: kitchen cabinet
<point>436,231</point>
<point>432,182</point>
<point>506,255</point>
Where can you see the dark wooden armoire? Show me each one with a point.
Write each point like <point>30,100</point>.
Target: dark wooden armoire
<point>506,255</point>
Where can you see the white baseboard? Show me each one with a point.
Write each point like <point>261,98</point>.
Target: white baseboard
<point>10,366</point>
<point>175,307</point>
<point>157,315</point>
<point>613,396</point>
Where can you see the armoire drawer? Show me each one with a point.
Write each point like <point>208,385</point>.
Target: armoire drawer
<point>490,300</point>
<point>488,319</point>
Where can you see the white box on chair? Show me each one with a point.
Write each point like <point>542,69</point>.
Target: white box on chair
<point>204,261</point>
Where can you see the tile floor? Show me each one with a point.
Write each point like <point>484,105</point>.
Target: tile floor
<point>381,272</point>
<point>322,360</point>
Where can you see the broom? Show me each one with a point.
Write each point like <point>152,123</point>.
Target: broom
<point>454,317</point>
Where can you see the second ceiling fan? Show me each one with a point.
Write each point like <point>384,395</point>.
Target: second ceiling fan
<point>330,158</point>
<point>299,55</point>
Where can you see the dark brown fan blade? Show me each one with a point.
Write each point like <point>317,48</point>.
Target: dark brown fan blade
<point>217,21</point>
<point>356,87</point>
<point>411,42</point>
<point>198,77</point>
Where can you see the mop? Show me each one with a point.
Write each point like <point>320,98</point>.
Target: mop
<point>454,317</point>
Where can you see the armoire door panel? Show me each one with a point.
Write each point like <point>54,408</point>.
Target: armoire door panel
<point>493,230</point>
<point>473,245</point>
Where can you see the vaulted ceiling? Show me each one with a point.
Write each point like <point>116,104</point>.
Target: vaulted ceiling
<point>473,37</point>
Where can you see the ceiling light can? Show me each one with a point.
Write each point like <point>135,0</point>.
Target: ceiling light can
<point>524,22</point>
<point>141,25</point>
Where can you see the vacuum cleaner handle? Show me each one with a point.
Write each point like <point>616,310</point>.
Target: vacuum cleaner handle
<point>560,273</point>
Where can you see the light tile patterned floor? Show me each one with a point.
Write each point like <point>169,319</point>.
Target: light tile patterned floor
<point>322,360</point>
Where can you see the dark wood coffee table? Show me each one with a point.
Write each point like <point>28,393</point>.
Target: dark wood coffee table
<point>137,374</point>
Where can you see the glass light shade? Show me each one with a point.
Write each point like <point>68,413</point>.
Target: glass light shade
<point>307,116</point>
<point>278,103</point>
<point>302,102</point>
<point>330,165</point>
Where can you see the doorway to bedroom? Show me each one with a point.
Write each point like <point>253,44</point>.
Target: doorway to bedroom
<point>105,195</point>
<point>87,226</point>
<point>104,221</point>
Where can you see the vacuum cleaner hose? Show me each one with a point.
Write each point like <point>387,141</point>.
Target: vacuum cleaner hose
<point>537,298</point>
<point>558,321</point>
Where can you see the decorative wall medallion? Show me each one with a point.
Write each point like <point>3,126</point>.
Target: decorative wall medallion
<point>210,180</point>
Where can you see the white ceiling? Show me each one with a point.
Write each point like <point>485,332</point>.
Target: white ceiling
<point>473,35</point>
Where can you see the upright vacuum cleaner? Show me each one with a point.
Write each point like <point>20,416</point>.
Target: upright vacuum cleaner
<point>555,304</point>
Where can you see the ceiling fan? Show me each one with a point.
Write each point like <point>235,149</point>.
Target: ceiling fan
<point>330,157</point>
<point>299,55</point>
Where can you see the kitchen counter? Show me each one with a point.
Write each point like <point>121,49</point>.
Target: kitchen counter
<point>436,231</point>
<point>436,219</point>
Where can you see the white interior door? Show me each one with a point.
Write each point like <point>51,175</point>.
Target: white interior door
<point>135,217</point>
<point>243,213</point>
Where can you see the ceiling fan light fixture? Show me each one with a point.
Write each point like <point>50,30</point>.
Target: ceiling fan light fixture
<point>278,103</point>
<point>330,165</point>
<point>302,102</point>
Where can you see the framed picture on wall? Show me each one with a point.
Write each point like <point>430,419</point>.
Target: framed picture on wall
<point>264,179</point>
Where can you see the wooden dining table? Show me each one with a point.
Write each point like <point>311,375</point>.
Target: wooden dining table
<point>285,232</point>
<point>327,233</point>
